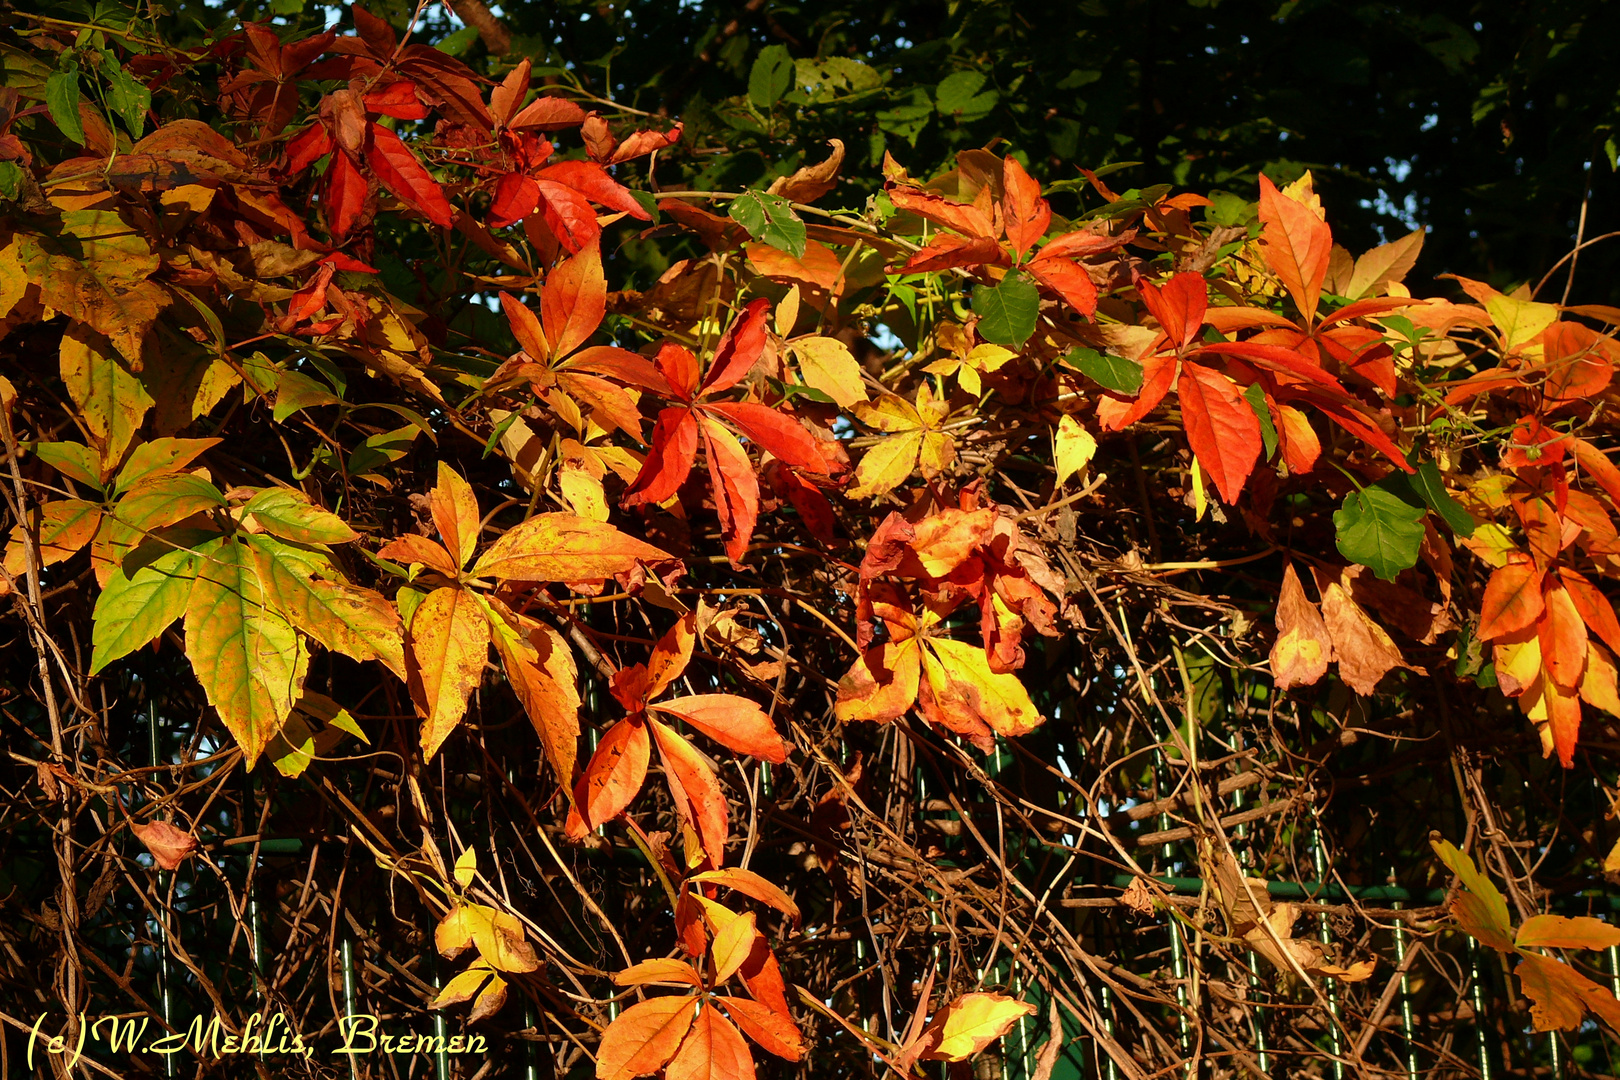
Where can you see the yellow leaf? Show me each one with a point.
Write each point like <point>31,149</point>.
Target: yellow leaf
<point>497,936</point>
<point>787,311</point>
<point>308,589</point>
<point>466,867</point>
<point>1480,909</point>
<point>448,646</point>
<point>970,1023</point>
<point>886,466</point>
<point>1073,447</point>
<point>96,275</point>
<point>110,399</point>
<point>731,946</point>
<point>962,679</point>
<point>540,669</point>
<point>463,986</point>
<point>562,547</point>
<point>826,364</point>
<point>582,492</point>
<point>667,972</point>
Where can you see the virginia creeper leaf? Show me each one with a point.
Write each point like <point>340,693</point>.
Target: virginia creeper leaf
<point>1108,371</point>
<point>1007,311</point>
<point>644,1037</point>
<point>137,604</point>
<point>1380,531</point>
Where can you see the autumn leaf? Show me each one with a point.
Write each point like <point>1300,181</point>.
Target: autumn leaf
<point>1303,650</point>
<point>497,935</point>
<point>138,603</point>
<point>562,547</point>
<point>969,1024</point>
<point>712,1050</point>
<point>1073,447</point>
<point>766,1026</point>
<point>659,972</point>
<point>1480,908</point>
<point>447,647</point>
<point>913,441</point>
<point>644,1037</point>
<point>1296,243</point>
<point>612,777</point>
<point>168,845</point>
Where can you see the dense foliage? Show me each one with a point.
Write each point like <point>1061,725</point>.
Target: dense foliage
<point>483,553</point>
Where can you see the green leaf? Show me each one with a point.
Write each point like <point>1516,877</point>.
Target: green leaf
<point>72,459</point>
<point>248,656</point>
<point>11,180</point>
<point>770,77</point>
<point>296,391</point>
<point>1432,490</point>
<point>771,219</point>
<point>958,96</point>
<point>1110,372</point>
<point>1007,311</point>
<point>1379,530</point>
<point>139,603</point>
<point>62,99</point>
<point>1255,395</point>
<point>457,43</point>
<point>166,498</point>
<point>126,95</point>
<point>288,514</point>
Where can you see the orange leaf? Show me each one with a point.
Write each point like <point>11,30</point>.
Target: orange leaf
<point>1296,245</point>
<point>662,971</point>
<point>612,778</point>
<point>1480,908</point>
<point>735,487</point>
<point>447,647</point>
<point>1563,636</point>
<point>1024,212</point>
<point>698,798</point>
<point>1512,600</point>
<point>669,657</point>
<point>712,1050</point>
<point>739,347</point>
<point>732,721</point>
<point>751,884</point>
<point>531,337</point>
<point>1559,995</point>
<point>1579,363</point>
<point>732,944</point>
<point>964,218</point>
<point>775,1032</point>
<point>644,1037</point>
<point>1221,427</point>
<point>455,514</point>
<point>1303,649</point>
<point>763,977</point>
<point>1364,651</point>
<point>540,669</point>
<point>573,300</point>
<point>168,845</point>
<point>1594,607</point>
<point>1559,932</point>
<point>1069,280</point>
<point>419,550</point>
<point>1179,306</point>
<point>1598,466</point>
<point>562,547</point>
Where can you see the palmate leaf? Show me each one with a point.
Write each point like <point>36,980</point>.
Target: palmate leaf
<point>248,657</point>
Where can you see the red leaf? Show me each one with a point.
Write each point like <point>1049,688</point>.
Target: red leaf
<point>573,300</point>
<point>732,721</point>
<point>516,196</point>
<point>1069,280</point>
<point>376,33</point>
<point>397,99</point>
<point>346,196</point>
<point>1296,244</point>
<point>399,171</point>
<point>308,147</point>
<point>1579,363</point>
<point>698,799</point>
<point>645,142</point>
<point>739,348</point>
<point>1077,245</point>
<point>1534,443</point>
<point>736,489</point>
<point>679,369</point>
<point>568,215</point>
<point>1221,427</point>
<point>674,445</point>
<point>1512,599</point>
<point>612,778</point>
<point>947,250</point>
<point>506,97</point>
<point>774,431</point>
<point>621,364</point>
<point>1179,306</point>
<point>1598,466</point>
<point>548,114</point>
<point>965,219</point>
<point>1025,214</point>
<point>592,181</point>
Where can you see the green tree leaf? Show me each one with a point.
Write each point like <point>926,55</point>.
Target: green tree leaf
<point>126,95</point>
<point>62,100</point>
<point>1431,489</point>
<point>1108,371</point>
<point>248,657</point>
<point>1007,311</point>
<point>1379,530</point>
<point>1255,395</point>
<point>770,77</point>
<point>770,219</point>
<point>139,603</point>
<point>958,96</point>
